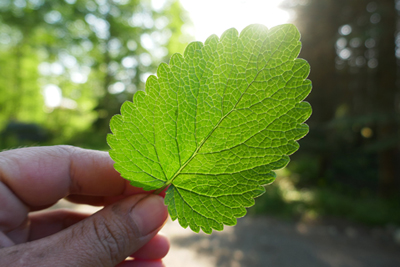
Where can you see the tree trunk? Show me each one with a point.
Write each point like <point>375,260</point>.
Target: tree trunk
<point>385,98</point>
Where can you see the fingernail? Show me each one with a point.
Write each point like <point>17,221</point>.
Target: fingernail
<point>149,214</point>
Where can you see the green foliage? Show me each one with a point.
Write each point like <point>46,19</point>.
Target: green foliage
<point>215,123</point>
<point>95,53</point>
<point>289,199</point>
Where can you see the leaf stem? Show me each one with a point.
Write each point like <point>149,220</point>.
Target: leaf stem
<point>159,190</point>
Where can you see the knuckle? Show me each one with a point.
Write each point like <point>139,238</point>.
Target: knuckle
<point>110,237</point>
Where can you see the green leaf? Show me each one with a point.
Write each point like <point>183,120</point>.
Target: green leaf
<point>215,123</point>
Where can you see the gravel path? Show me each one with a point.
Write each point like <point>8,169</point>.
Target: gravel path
<point>267,241</point>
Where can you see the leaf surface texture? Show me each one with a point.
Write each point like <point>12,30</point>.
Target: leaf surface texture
<point>215,123</point>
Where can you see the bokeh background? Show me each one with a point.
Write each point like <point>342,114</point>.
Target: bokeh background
<point>66,66</point>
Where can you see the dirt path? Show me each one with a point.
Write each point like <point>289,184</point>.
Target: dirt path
<point>267,241</point>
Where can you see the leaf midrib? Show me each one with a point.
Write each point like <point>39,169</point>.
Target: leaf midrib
<point>208,136</point>
<point>198,148</point>
<point>169,182</point>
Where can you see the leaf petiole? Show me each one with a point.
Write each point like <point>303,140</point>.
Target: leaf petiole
<point>159,190</point>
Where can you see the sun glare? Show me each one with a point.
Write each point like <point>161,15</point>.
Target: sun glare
<point>216,16</point>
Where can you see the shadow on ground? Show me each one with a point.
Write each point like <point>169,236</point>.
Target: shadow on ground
<point>265,241</point>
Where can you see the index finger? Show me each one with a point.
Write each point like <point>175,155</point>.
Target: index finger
<point>40,176</point>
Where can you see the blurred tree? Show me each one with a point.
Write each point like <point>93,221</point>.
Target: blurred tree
<point>354,129</point>
<point>68,65</point>
<point>386,96</point>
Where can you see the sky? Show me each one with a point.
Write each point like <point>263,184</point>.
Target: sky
<point>208,17</point>
<point>215,16</point>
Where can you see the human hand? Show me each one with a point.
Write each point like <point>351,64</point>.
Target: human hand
<point>33,179</point>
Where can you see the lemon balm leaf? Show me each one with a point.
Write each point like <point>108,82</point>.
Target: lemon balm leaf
<point>214,123</point>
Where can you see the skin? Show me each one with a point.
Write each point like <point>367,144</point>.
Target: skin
<point>32,179</point>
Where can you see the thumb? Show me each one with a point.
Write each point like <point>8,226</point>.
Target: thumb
<point>107,237</point>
